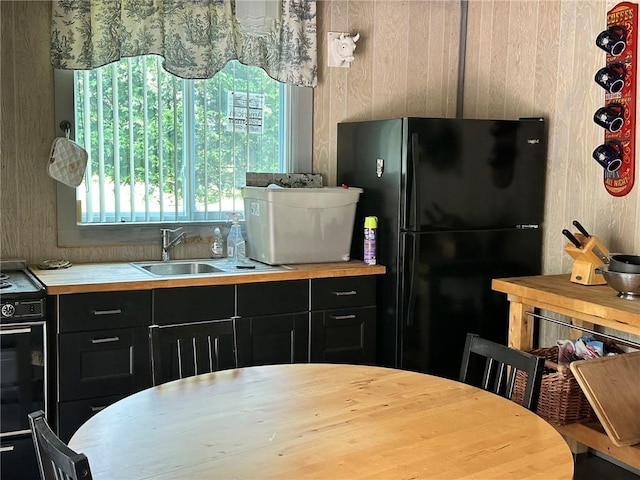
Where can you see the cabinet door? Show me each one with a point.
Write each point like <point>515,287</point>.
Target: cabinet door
<point>193,304</point>
<point>71,415</point>
<point>344,336</point>
<point>18,459</point>
<point>273,339</point>
<point>103,362</point>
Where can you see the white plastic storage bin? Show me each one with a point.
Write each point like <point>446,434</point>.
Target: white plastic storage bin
<point>299,225</point>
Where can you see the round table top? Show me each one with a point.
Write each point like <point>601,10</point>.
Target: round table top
<point>320,421</point>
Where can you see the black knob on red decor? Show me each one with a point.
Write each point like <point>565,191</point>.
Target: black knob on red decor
<point>610,117</point>
<point>611,77</point>
<point>613,40</point>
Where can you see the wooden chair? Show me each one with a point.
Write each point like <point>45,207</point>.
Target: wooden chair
<point>56,460</point>
<point>501,366</point>
<point>184,350</point>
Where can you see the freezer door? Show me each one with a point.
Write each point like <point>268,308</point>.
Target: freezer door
<point>446,291</point>
<point>474,173</point>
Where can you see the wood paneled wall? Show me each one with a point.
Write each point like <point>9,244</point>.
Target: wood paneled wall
<point>406,64</point>
<point>523,58</point>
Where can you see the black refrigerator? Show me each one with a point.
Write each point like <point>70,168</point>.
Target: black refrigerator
<point>459,202</point>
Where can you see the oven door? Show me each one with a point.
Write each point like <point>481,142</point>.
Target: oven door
<point>22,375</point>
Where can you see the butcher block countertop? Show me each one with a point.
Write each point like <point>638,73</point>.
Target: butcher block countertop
<point>110,277</point>
<point>598,304</point>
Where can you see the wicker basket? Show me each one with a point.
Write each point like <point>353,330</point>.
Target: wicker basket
<point>561,398</point>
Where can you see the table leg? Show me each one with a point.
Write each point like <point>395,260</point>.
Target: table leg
<point>520,326</point>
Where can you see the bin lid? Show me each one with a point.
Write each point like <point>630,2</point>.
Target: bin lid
<point>325,197</point>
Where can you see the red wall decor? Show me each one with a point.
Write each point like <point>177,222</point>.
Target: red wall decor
<point>618,116</point>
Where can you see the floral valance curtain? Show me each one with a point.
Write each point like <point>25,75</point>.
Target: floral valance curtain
<point>196,38</point>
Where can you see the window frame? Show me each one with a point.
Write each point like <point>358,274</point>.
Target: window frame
<point>298,147</point>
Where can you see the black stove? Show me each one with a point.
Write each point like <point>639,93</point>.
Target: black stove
<point>21,294</point>
<point>23,354</point>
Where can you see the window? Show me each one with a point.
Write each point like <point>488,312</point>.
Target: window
<point>172,151</point>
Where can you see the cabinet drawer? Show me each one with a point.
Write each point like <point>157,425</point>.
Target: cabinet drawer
<point>271,298</point>
<point>342,292</point>
<point>193,304</point>
<point>104,362</point>
<point>95,311</point>
<point>71,415</point>
<point>344,336</point>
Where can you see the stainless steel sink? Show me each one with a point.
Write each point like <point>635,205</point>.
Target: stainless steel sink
<point>203,267</point>
<point>177,268</point>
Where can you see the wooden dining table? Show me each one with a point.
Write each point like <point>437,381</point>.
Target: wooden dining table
<point>322,421</point>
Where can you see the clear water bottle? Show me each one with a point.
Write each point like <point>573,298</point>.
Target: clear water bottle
<point>236,246</point>
<point>217,249</point>
<point>370,233</point>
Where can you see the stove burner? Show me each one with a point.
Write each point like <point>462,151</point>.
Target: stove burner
<point>19,285</point>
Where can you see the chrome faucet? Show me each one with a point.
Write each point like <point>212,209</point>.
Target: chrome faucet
<point>167,243</point>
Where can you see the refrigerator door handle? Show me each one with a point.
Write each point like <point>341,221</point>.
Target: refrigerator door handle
<point>413,274</point>
<point>415,194</point>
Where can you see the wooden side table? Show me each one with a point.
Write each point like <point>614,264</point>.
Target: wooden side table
<point>585,306</point>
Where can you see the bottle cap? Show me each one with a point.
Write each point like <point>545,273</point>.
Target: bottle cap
<point>234,217</point>
<point>371,222</point>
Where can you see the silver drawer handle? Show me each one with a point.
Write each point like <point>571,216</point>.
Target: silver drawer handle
<point>15,331</point>
<point>97,409</point>
<point>8,448</point>
<point>343,294</point>
<point>105,340</point>
<point>117,311</point>
<point>343,317</point>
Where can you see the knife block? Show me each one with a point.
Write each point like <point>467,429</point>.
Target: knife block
<point>586,260</point>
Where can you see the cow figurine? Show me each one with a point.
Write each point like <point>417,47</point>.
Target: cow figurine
<point>341,50</point>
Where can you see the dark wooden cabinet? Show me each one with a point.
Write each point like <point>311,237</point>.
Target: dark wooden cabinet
<point>84,312</point>
<point>18,459</point>
<point>102,352</point>
<point>103,362</point>
<point>176,306</point>
<point>273,339</point>
<point>173,306</point>
<point>272,298</point>
<point>344,336</point>
<point>342,292</point>
<point>343,320</point>
<point>272,324</point>
<point>75,413</point>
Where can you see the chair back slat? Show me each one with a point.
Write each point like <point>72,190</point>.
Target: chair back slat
<point>501,366</point>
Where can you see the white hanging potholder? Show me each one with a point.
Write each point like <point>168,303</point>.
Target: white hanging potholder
<point>67,161</point>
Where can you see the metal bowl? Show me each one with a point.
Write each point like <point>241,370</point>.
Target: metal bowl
<point>626,284</point>
<point>624,263</point>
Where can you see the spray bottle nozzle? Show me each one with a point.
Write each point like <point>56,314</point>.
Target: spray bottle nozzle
<point>234,217</point>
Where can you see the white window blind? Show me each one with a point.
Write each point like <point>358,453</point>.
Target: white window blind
<point>166,149</point>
